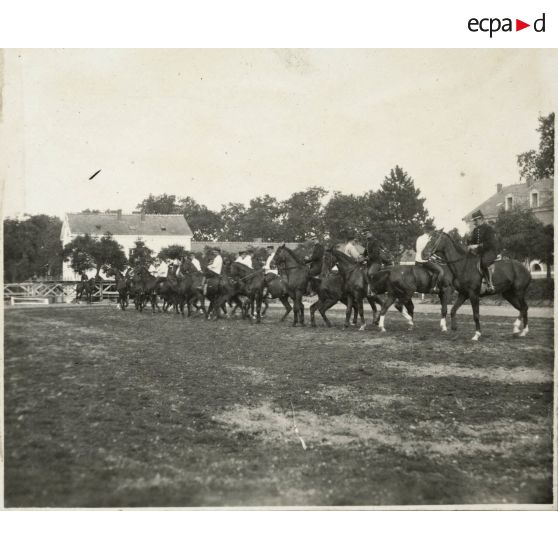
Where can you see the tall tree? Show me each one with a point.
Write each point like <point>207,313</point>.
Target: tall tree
<point>262,219</point>
<point>344,213</point>
<point>32,247</point>
<point>540,164</point>
<point>232,216</point>
<point>303,215</point>
<point>402,211</point>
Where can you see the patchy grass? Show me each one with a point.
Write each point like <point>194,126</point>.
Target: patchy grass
<point>110,408</point>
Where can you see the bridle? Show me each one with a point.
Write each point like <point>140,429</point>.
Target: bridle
<point>435,247</point>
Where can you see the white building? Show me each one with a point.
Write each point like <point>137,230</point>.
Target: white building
<point>157,231</point>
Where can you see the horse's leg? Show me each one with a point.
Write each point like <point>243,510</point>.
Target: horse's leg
<point>519,303</point>
<point>258,306</point>
<point>461,298</point>
<point>385,307</point>
<point>474,297</point>
<point>287,305</point>
<point>443,295</point>
<point>301,308</point>
<point>349,309</point>
<point>313,307</point>
<point>371,302</point>
<point>361,314</point>
<point>407,311</point>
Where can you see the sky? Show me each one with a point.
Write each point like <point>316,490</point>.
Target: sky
<point>228,125</point>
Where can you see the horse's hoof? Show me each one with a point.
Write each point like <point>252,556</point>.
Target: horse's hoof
<point>312,324</point>
<point>476,337</point>
<point>362,327</point>
<point>382,329</point>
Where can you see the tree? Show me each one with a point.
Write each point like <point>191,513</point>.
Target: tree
<point>400,211</point>
<point>232,216</point>
<point>79,252</point>
<point>85,252</point>
<point>165,204</point>
<point>523,236</point>
<point>32,247</point>
<point>206,225</point>
<point>303,215</point>
<point>262,219</point>
<point>540,164</point>
<point>141,255</point>
<point>342,213</point>
<point>172,252</point>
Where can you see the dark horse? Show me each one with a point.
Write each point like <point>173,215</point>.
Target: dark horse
<point>276,289</point>
<point>121,286</point>
<point>355,284</point>
<point>250,283</point>
<point>511,279</point>
<point>144,287</point>
<point>400,282</point>
<point>331,289</point>
<point>295,276</point>
<point>86,287</point>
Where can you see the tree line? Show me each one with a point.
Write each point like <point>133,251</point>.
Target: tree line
<point>395,214</point>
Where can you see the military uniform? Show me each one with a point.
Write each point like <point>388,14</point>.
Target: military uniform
<point>315,259</point>
<point>484,242</point>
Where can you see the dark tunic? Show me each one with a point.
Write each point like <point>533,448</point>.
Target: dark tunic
<point>489,245</point>
<point>315,260</point>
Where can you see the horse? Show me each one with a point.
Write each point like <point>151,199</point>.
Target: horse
<point>330,288</point>
<point>222,290</point>
<point>296,276</point>
<point>400,282</point>
<point>276,289</point>
<point>86,287</point>
<point>145,288</point>
<point>189,288</point>
<point>249,283</point>
<point>511,279</point>
<point>355,285</point>
<point>121,286</point>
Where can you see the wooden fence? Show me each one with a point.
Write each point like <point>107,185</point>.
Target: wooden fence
<point>62,291</point>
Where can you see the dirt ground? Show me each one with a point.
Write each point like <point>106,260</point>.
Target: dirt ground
<point>110,408</point>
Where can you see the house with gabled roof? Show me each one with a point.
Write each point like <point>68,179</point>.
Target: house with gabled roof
<point>157,231</point>
<point>535,195</point>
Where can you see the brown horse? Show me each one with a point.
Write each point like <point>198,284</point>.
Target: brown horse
<point>330,288</point>
<point>276,288</point>
<point>86,287</point>
<point>511,279</point>
<point>295,276</point>
<point>400,282</point>
<point>355,285</point>
<point>250,283</point>
<point>144,286</point>
<point>121,286</point>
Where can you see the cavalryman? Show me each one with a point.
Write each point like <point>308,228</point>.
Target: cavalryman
<point>315,258</point>
<point>193,260</point>
<point>436,269</point>
<point>350,249</point>
<point>267,266</point>
<point>374,253</point>
<point>484,242</point>
<point>213,269</point>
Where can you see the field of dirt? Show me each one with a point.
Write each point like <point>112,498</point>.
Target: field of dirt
<point>110,408</point>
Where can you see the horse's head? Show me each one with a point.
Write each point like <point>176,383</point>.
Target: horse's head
<point>436,245</point>
<point>280,256</point>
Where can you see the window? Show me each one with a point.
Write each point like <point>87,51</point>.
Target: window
<point>534,199</point>
<point>509,203</point>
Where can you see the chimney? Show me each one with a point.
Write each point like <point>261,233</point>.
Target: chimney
<point>119,214</point>
<point>142,216</point>
<point>498,188</point>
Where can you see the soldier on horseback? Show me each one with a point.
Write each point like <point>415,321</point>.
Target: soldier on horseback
<point>315,260</point>
<point>214,269</point>
<point>484,242</point>
<point>350,249</point>
<point>193,260</point>
<point>436,269</point>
